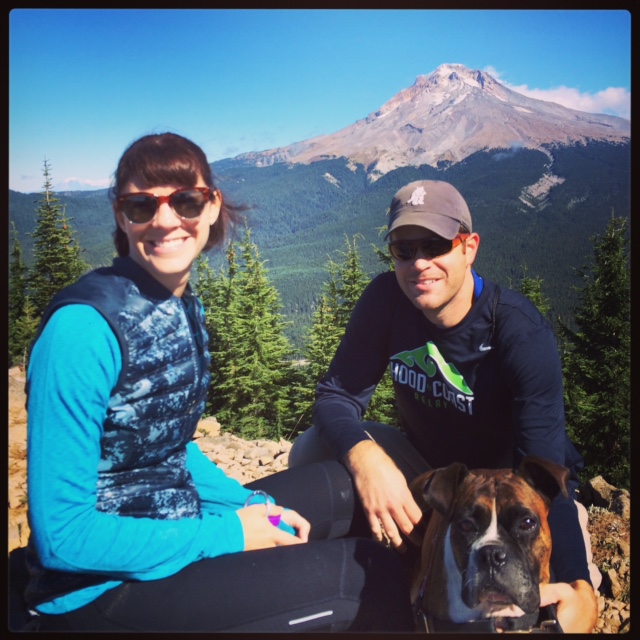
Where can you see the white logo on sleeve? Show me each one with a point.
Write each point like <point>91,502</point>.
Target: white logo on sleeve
<point>484,347</point>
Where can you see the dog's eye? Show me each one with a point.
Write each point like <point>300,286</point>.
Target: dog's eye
<point>467,526</point>
<point>526,524</point>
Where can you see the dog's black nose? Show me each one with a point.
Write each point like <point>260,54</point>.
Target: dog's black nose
<point>493,556</point>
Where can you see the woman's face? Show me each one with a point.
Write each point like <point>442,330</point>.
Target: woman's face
<point>167,245</point>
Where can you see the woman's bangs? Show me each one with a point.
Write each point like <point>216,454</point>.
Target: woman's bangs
<point>182,172</point>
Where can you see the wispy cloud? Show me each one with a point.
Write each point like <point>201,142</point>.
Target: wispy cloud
<point>614,101</point>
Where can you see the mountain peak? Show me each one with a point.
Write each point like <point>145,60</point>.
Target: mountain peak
<point>448,81</point>
<point>446,116</point>
<point>446,74</point>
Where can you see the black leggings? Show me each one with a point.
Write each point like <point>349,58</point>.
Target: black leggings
<point>332,583</point>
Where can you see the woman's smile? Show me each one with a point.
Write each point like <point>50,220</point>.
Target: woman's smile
<point>167,245</point>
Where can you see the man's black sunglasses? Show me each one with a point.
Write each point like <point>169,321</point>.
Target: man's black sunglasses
<point>431,247</point>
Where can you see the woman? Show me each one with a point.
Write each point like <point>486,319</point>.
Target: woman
<point>132,527</point>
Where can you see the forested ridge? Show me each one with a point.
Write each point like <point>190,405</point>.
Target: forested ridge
<point>302,214</point>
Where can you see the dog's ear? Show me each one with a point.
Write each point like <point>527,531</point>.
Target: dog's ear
<point>436,488</point>
<point>417,489</point>
<point>546,477</point>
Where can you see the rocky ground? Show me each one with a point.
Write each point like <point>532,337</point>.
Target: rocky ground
<point>609,517</point>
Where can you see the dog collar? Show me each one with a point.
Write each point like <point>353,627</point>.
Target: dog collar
<point>488,625</point>
<point>545,622</point>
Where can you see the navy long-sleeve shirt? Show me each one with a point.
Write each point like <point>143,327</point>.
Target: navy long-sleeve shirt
<point>485,392</point>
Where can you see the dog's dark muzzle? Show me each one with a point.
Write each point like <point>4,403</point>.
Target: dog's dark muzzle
<point>497,576</point>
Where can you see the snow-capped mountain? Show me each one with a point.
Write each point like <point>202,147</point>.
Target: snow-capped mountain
<point>445,117</point>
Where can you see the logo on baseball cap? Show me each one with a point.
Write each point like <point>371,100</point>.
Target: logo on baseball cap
<point>433,204</point>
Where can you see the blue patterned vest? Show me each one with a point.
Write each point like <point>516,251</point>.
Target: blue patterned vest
<point>154,408</point>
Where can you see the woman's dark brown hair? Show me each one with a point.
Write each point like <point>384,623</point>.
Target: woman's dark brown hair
<point>169,159</point>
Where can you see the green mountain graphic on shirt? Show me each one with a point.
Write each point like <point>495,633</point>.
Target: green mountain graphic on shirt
<point>428,358</point>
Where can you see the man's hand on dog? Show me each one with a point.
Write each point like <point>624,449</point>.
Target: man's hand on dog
<point>576,604</point>
<point>384,494</point>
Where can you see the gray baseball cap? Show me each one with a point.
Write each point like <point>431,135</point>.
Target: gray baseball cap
<point>433,204</point>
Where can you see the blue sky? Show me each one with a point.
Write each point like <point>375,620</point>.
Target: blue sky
<point>84,83</point>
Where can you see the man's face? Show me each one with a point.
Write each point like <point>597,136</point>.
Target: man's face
<point>441,287</point>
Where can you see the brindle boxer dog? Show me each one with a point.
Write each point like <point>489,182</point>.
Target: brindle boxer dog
<point>487,544</point>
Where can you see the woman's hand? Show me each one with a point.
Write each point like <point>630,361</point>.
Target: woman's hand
<point>576,604</point>
<point>259,533</point>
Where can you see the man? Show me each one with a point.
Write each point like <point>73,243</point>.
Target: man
<point>477,379</point>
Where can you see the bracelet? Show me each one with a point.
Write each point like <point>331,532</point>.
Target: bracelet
<point>274,520</point>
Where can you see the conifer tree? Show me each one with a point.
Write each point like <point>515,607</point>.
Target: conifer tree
<point>325,333</point>
<point>57,261</point>
<point>213,291</point>
<point>20,323</point>
<point>347,281</point>
<point>255,366</point>
<point>532,289</point>
<point>22,333</point>
<point>596,360</point>
<point>321,343</point>
<point>17,278</point>
<point>351,282</point>
<point>382,407</point>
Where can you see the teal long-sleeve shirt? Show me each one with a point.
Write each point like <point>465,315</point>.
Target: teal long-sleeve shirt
<point>73,368</point>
